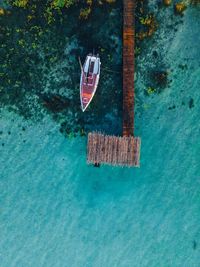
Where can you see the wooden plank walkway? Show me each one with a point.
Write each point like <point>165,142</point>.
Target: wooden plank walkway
<point>125,150</point>
<point>107,149</point>
<point>128,67</point>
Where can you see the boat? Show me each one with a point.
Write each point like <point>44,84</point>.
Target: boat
<point>90,73</point>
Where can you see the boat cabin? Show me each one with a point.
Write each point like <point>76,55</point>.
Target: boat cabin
<point>91,66</point>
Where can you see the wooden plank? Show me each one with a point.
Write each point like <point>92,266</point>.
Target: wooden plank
<point>128,68</point>
<point>122,151</point>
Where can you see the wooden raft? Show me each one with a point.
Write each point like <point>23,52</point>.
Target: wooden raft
<point>122,151</point>
<point>107,149</point>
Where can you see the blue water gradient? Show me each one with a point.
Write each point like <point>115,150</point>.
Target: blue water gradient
<point>57,211</point>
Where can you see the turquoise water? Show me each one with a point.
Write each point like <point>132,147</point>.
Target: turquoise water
<point>57,211</point>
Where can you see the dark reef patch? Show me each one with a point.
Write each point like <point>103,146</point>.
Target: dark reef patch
<point>172,107</point>
<point>159,79</point>
<point>155,54</point>
<point>194,244</point>
<point>40,70</point>
<point>191,103</point>
<point>55,103</point>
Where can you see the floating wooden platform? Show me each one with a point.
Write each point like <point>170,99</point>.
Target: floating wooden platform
<point>122,151</point>
<point>107,149</point>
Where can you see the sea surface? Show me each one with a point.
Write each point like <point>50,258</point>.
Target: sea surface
<point>56,211</point>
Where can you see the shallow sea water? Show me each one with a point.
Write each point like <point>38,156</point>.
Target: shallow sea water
<point>57,211</point>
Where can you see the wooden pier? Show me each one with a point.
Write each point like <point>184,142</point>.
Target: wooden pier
<point>125,150</point>
<point>113,150</point>
<point>128,67</point>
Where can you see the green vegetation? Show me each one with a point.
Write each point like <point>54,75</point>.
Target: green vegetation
<point>150,90</point>
<point>195,2</point>
<point>49,7</point>
<point>20,3</point>
<point>167,2</point>
<point>62,3</point>
<point>180,7</point>
<point>85,12</point>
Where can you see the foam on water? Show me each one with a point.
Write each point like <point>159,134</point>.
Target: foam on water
<point>57,211</point>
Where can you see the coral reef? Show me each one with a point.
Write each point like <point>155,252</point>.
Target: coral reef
<point>179,8</point>
<point>195,2</point>
<point>167,2</point>
<point>40,71</point>
<point>42,40</point>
